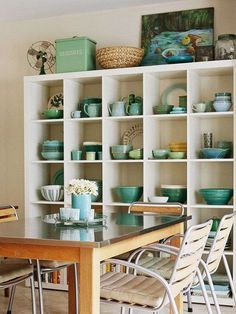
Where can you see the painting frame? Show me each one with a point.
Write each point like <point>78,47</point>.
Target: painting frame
<point>180,36</point>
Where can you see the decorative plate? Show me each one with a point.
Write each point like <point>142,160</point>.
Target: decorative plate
<point>58,178</point>
<point>169,90</point>
<point>131,133</point>
<point>56,101</point>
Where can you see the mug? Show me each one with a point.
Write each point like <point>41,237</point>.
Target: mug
<point>75,214</point>
<point>134,109</point>
<point>90,155</point>
<point>93,110</point>
<point>75,114</point>
<point>117,108</point>
<point>76,155</point>
<point>99,155</point>
<point>200,107</point>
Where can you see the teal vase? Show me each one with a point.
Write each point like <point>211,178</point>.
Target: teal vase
<point>83,202</point>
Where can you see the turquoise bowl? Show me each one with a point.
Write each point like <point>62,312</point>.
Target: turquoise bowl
<point>175,195</point>
<point>216,196</point>
<point>160,153</point>
<point>120,155</point>
<point>52,155</point>
<point>121,148</point>
<point>53,113</point>
<point>129,194</point>
<point>214,153</point>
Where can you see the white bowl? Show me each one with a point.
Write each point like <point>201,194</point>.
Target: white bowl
<point>52,193</point>
<point>165,186</point>
<point>158,199</point>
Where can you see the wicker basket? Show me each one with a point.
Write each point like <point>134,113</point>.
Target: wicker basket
<point>119,57</point>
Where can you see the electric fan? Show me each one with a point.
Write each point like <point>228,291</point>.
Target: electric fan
<point>41,56</point>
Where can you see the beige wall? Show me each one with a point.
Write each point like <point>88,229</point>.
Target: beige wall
<point>107,28</point>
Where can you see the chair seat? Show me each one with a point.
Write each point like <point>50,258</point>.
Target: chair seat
<point>163,266</point>
<point>11,271</point>
<point>128,288</point>
<point>53,264</point>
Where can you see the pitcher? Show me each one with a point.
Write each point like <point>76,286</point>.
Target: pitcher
<point>117,108</point>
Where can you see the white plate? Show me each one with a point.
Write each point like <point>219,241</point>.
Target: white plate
<point>91,143</point>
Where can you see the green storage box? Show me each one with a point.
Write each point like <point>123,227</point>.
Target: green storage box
<point>75,54</point>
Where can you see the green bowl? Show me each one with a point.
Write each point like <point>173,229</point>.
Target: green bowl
<point>52,155</point>
<point>53,113</point>
<point>175,195</point>
<point>129,194</point>
<point>120,155</point>
<point>216,196</point>
<point>121,148</point>
<point>160,153</point>
<point>129,219</point>
<point>136,153</point>
<point>162,109</point>
<point>177,155</point>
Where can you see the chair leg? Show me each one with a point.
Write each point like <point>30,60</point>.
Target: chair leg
<point>208,275</point>
<point>10,304</point>
<point>189,298</point>
<point>208,305</point>
<point>230,278</point>
<point>32,284</point>
<point>76,288</point>
<point>40,287</point>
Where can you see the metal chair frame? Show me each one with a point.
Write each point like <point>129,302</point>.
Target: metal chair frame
<point>191,249</point>
<point>40,271</point>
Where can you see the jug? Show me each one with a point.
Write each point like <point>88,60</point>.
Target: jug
<point>134,109</point>
<point>117,108</point>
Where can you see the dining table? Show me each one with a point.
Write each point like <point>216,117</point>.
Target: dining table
<point>87,245</point>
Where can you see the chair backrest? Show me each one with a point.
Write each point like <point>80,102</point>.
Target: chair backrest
<point>175,209</point>
<point>219,243</point>
<point>189,256</point>
<point>7,213</point>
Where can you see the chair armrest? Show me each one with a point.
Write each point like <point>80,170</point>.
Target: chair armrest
<point>177,235</point>
<point>163,248</point>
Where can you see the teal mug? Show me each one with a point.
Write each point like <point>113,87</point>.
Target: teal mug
<point>134,109</point>
<point>93,110</point>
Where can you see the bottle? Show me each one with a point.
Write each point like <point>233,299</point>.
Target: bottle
<point>225,47</point>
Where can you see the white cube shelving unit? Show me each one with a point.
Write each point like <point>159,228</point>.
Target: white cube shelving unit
<point>203,80</point>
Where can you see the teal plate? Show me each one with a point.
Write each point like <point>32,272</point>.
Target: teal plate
<point>58,178</point>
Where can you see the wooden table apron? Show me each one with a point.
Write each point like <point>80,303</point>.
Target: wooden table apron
<point>89,262</point>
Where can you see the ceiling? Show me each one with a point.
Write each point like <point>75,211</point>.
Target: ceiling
<point>12,10</point>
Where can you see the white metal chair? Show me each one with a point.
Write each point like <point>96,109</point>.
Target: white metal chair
<point>47,266</point>
<point>11,272</point>
<point>208,267</point>
<point>147,290</point>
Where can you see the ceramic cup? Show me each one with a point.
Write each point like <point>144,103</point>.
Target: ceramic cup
<point>99,155</point>
<point>200,107</point>
<point>75,114</point>
<point>93,110</point>
<point>90,155</point>
<point>76,155</point>
<point>74,214</point>
<point>65,213</point>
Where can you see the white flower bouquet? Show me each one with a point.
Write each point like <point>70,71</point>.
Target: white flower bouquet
<point>81,186</point>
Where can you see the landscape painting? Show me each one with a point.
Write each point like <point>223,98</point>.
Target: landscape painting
<point>181,36</point>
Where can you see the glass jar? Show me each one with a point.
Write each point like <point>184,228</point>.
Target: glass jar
<point>225,47</point>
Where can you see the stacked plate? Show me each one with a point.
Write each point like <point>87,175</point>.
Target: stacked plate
<point>53,150</point>
<point>178,110</point>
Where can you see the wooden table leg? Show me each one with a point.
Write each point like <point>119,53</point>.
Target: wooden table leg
<point>89,281</point>
<point>71,293</point>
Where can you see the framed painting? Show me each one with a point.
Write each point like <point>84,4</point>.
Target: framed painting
<point>174,37</point>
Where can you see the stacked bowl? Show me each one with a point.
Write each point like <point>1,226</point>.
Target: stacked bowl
<point>178,147</point>
<point>53,150</point>
<point>216,196</point>
<point>176,193</point>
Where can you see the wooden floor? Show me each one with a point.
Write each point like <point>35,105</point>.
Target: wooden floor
<point>56,303</point>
